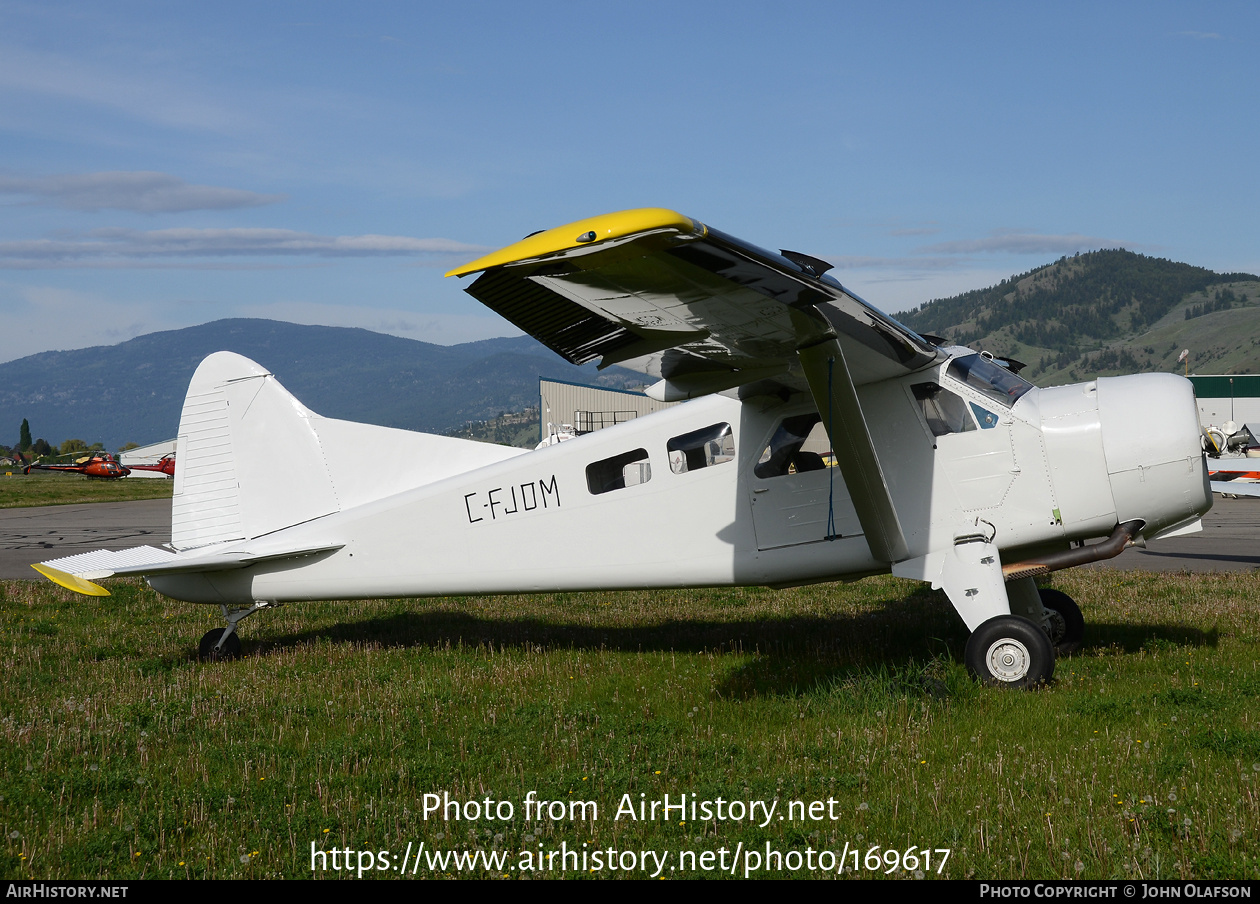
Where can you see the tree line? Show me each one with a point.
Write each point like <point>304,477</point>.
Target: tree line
<point>35,449</point>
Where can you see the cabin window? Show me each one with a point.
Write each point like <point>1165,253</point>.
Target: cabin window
<point>621,471</point>
<point>701,448</point>
<point>981,374</point>
<point>797,446</point>
<point>943,411</point>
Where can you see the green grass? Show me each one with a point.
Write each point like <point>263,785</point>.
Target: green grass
<point>122,757</point>
<point>50,488</point>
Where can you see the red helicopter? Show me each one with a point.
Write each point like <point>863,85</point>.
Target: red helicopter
<point>101,465</point>
<point>165,466</point>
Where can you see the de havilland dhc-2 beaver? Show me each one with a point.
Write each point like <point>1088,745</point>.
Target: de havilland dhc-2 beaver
<point>946,466</point>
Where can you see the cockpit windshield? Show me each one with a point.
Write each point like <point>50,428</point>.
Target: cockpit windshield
<point>981,374</point>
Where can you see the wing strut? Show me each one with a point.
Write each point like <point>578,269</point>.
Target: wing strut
<point>836,397</point>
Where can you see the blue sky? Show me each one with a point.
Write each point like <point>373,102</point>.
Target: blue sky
<point>165,164</point>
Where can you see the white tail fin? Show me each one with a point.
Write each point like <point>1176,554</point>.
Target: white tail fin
<point>252,459</point>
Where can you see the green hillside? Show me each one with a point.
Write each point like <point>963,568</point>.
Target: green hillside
<point>1105,313</point>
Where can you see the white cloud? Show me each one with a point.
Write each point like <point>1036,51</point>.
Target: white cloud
<point>867,262</point>
<point>112,246</point>
<point>146,192</point>
<point>1012,241</point>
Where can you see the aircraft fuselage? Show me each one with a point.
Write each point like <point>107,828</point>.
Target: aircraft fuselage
<point>677,499</point>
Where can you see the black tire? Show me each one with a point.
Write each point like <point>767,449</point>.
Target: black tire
<point>1067,625</point>
<point>1010,651</point>
<point>231,647</point>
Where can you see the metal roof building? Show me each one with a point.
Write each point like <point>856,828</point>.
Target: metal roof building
<point>1227,397</point>
<point>590,408</point>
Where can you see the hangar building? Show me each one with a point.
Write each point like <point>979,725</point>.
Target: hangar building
<point>589,408</point>
<point>1227,397</point>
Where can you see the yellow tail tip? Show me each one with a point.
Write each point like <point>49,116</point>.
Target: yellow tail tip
<point>70,582</point>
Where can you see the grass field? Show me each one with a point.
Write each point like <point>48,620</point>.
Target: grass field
<point>120,756</point>
<point>50,488</point>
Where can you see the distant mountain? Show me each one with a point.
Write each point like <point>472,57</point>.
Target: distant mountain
<point>133,391</point>
<point>1106,312</point>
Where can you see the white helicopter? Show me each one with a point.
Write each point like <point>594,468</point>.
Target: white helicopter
<point>945,465</point>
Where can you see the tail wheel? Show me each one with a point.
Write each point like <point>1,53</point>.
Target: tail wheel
<point>1010,651</point>
<point>1067,625</point>
<point>230,649</point>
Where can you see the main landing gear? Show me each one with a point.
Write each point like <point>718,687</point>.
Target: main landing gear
<point>223,644</point>
<point>1014,651</point>
<point>1063,616</point>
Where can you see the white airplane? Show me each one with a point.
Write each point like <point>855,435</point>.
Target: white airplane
<point>947,468</point>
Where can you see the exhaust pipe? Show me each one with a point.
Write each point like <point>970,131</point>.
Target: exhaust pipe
<point>1120,538</point>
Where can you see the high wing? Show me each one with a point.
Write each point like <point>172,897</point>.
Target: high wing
<point>700,309</point>
<point>705,312</point>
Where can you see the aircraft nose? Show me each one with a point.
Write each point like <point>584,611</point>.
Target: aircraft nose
<point>1150,434</point>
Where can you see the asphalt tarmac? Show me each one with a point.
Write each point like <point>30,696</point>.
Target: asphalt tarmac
<point>30,535</point>
<point>1229,541</point>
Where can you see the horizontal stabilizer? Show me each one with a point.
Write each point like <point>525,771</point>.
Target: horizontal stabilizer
<point>101,563</point>
<point>77,572</point>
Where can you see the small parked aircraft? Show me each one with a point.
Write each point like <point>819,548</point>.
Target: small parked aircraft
<point>165,465</point>
<point>101,465</point>
<point>948,468</point>
<point>1232,451</point>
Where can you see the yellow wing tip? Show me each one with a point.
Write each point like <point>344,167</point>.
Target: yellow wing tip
<point>70,582</point>
<point>582,232</point>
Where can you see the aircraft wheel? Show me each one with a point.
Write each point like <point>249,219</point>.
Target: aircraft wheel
<point>1067,625</point>
<point>231,647</point>
<point>1010,651</point>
